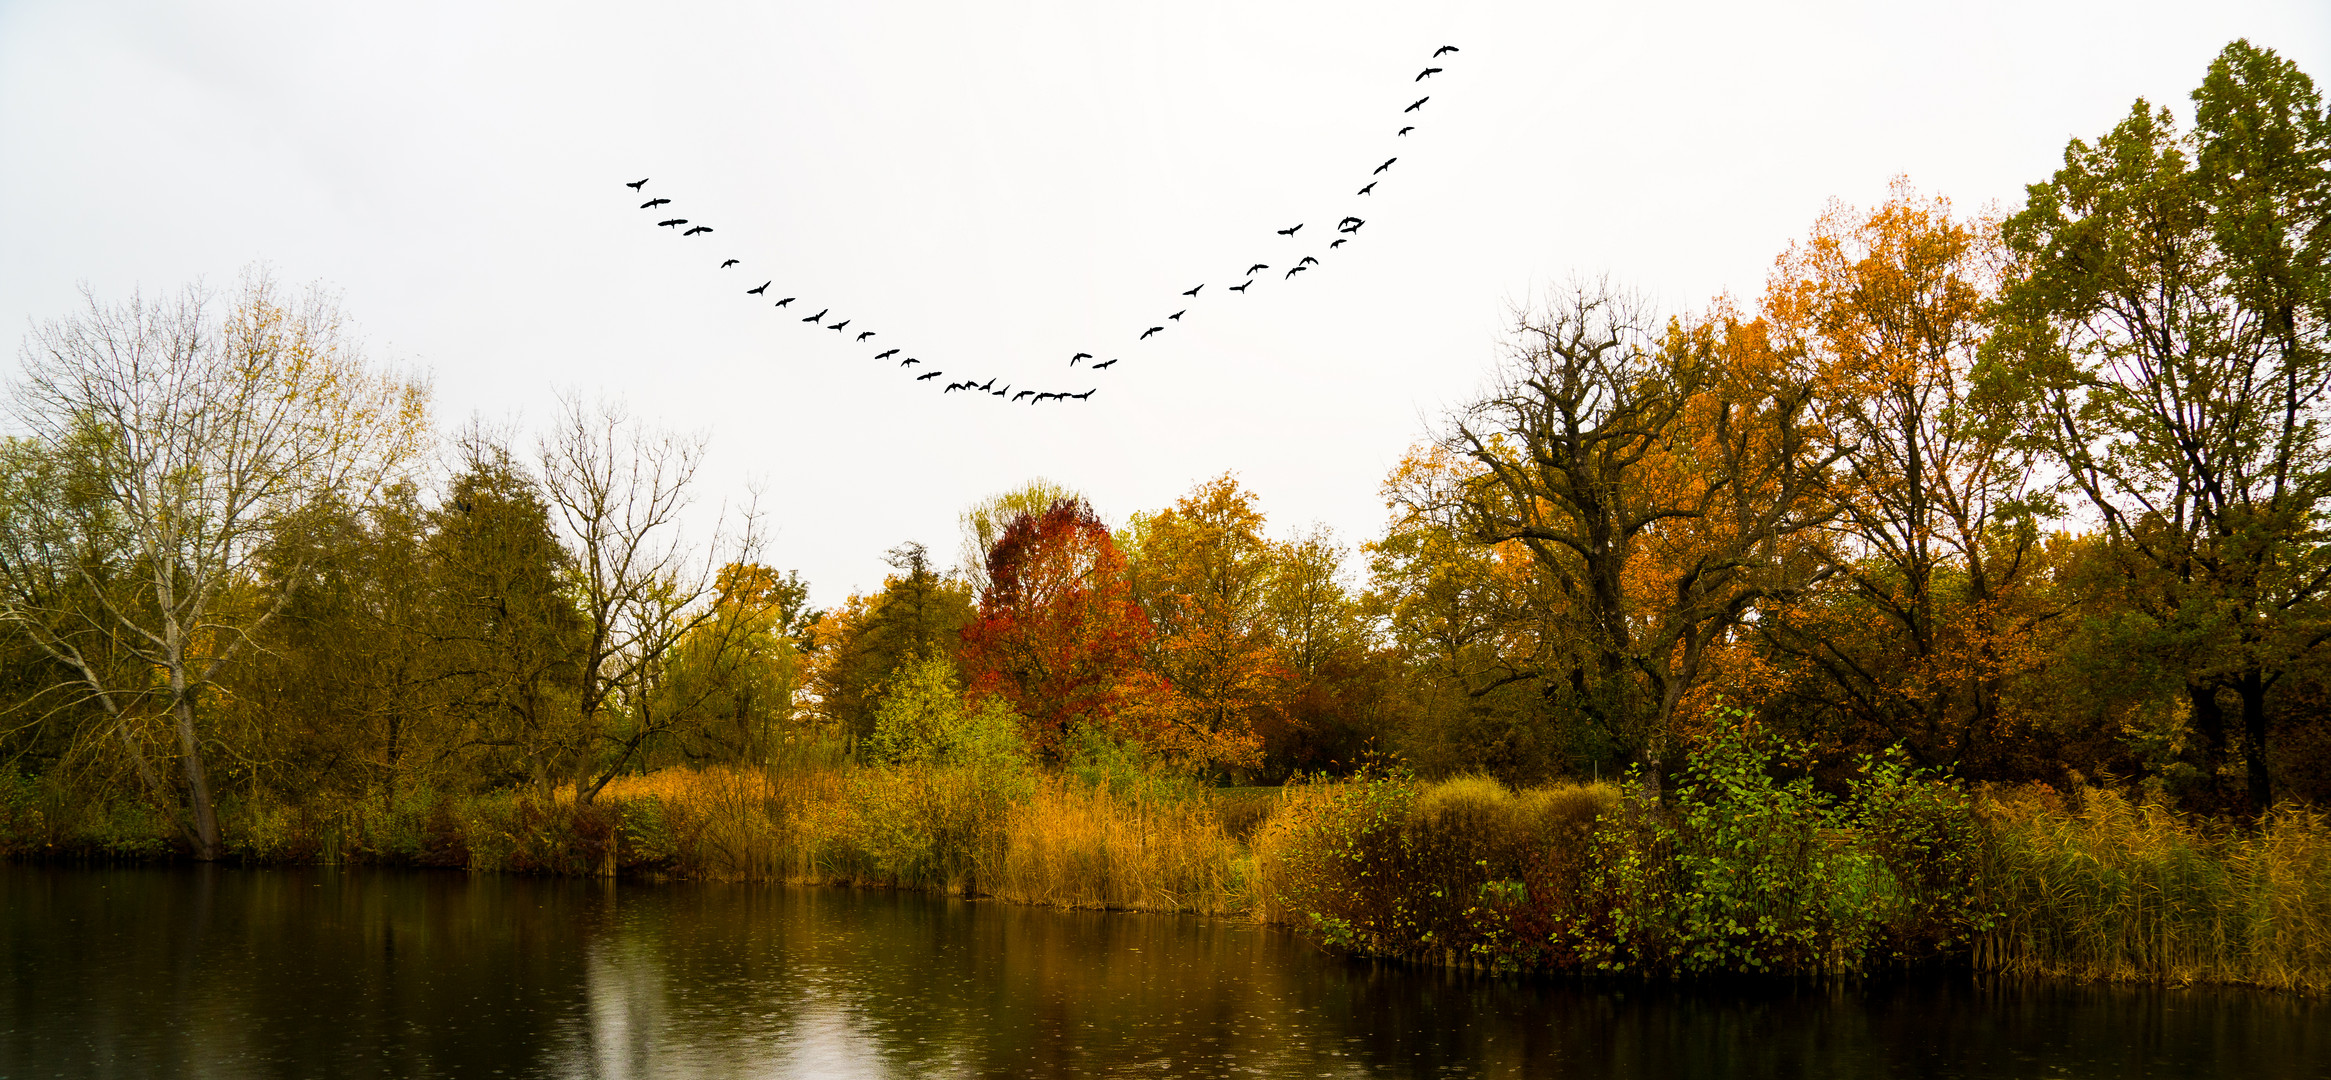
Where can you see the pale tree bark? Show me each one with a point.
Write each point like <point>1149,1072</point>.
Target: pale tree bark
<point>619,491</point>
<point>179,442</point>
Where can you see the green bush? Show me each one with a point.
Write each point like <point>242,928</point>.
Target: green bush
<point>924,720</point>
<point>1746,867</point>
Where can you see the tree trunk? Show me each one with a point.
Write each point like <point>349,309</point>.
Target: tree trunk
<point>2253,690</point>
<point>206,818</point>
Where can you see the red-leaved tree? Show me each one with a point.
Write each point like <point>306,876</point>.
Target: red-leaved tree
<point>1058,634</point>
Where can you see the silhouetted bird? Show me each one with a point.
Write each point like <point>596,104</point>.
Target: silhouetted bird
<point>837,327</point>
<point>1297,270</point>
<point>1080,356</point>
<point>1387,164</point>
<point>865,335</point>
<point>1371,187</point>
<point>1337,242</point>
<point>1405,130</point>
<point>990,384</point>
<point>821,313</point>
<point>908,362</point>
<point>1241,286</point>
<point>782,303</point>
<point>1022,394</point>
<point>1418,104</point>
<point>1097,367</point>
<point>1348,221</point>
<point>1086,394</point>
<point>886,355</point>
<point>1443,49</point>
<point>673,223</point>
<point>1250,271</point>
<point>1194,291</point>
<point>929,376</point>
<point>1420,76</point>
<point>764,288</point>
<point>1290,232</point>
<point>653,203</point>
<point>639,183</point>
<point>730,263</point>
<point>1307,261</point>
<point>698,229</point>
<point>1177,316</point>
<point>1145,334</point>
<point>1000,393</point>
<point>952,387</point>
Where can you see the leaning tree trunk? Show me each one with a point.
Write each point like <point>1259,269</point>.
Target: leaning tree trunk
<point>206,818</point>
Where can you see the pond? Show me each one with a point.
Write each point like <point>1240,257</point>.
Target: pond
<point>216,972</point>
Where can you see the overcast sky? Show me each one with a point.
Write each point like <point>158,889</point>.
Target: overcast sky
<point>994,187</point>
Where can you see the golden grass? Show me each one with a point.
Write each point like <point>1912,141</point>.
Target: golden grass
<point>2125,890</point>
<point>1079,846</point>
<point>1029,839</point>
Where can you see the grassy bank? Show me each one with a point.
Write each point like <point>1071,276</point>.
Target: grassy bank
<point>1736,871</point>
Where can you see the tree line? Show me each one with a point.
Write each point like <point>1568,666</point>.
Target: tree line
<point>2031,496</point>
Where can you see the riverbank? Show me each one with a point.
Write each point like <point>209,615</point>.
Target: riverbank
<point>1734,872</point>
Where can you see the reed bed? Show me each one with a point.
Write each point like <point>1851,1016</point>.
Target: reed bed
<point>2115,889</point>
<point>2089,884</point>
<point>1037,839</point>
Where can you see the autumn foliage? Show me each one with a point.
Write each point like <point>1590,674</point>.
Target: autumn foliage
<point>1057,633</point>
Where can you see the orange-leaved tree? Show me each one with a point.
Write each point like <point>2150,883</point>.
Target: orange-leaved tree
<point>1203,572</point>
<point>1936,538</point>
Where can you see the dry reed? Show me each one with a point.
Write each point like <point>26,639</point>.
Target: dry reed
<point>2121,890</point>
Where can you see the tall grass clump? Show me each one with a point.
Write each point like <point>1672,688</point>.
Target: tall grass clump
<point>1119,830</point>
<point>1465,871</point>
<point>2106,887</point>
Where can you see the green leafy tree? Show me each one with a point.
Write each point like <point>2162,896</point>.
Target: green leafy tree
<point>2164,326</point>
<point>918,614</point>
<point>189,439</point>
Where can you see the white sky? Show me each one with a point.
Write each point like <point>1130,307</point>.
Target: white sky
<point>995,187</point>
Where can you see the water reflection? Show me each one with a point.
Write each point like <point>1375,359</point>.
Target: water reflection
<point>316,973</point>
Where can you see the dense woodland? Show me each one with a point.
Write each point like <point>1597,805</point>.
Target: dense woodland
<point>2033,497</point>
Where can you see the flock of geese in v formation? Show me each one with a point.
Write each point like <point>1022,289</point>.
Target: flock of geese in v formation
<point>1346,229</point>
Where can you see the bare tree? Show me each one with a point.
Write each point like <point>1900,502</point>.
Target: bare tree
<point>985,520</point>
<point>619,490</point>
<point>170,446</point>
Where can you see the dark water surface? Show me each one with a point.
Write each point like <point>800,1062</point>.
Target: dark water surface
<point>137,973</point>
